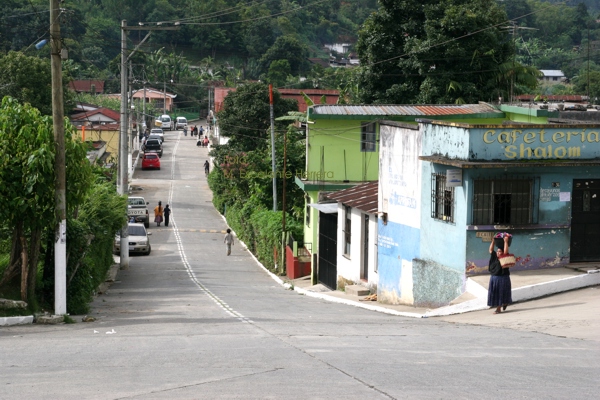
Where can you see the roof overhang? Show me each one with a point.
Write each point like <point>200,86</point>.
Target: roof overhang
<point>326,208</point>
<point>311,186</point>
<point>509,164</point>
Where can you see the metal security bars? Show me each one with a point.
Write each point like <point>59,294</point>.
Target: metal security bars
<point>503,201</point>
<point>368,137</point>
<point>442,199</point>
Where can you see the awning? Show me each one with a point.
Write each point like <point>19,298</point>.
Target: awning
<point>327,208</point>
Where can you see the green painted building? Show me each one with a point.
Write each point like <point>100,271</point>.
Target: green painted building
<point>342,146</point>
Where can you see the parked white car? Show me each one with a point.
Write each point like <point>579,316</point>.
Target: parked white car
<point>138,239</point>
<point>158,132</point>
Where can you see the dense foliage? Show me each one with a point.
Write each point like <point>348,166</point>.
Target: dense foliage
<point>27,211</point>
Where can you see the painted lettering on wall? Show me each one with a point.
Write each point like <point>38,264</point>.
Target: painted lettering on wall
<point>386,242</point>
<point>549,194</point>
<point>403,201</point>
<point>540,144</point>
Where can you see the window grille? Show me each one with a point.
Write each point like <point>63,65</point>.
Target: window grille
<point>503,201</point>
<point>442,199</point>
<point>347,229</point>
<point>368,137</point>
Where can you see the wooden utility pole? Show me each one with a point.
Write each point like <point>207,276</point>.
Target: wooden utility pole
<point>60,236</point>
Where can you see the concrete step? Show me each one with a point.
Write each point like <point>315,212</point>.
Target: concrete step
<point>466,296</point>
<point>357,290</point>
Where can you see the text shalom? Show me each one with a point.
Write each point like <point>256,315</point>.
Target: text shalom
<point>545,144</point>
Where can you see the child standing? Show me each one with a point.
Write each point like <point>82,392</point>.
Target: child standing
<point>228,241</point>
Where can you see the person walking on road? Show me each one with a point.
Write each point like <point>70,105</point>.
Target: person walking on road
<point>167,213</point>
<point>228,240</point>
<point>206,167</point>
<point>499,291</point>
<point>158,213</point>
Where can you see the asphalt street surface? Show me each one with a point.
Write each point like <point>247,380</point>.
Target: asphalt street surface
<point>188,322</point>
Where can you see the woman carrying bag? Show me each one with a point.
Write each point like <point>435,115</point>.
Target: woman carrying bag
<point>499,290</point>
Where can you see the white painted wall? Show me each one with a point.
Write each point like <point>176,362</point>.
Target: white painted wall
<point>349,267</point>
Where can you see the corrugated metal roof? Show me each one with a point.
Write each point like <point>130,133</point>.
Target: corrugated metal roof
<point>363,197</point>
<point>394,109</point>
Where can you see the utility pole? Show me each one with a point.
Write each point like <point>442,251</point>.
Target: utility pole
<point>273,148</point>
<point>123,186</point>
<point>58,122</point>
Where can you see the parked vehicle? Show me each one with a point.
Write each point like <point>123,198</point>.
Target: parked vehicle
<point>156,137</point>
<point>138,240</point>
<point>150,160</point>
<point>181,123</point>
<point>153,145</point>
<point>164,122</point>
<point>137,207</point>
<point>159,132</point>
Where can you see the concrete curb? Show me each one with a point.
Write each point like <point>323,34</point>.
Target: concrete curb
<point>21,320</point>
<point>520,294</point>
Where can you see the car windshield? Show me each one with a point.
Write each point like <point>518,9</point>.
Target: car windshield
<point>149,156</point>
<point>165,119</point>
<point>154,142</point>
<point>136,202</point>
<point>135,230</point>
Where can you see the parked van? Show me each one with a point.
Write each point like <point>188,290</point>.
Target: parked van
<point>164,122</point>
<point>181,123</point>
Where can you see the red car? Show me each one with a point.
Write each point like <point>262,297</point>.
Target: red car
<point>150,160</point>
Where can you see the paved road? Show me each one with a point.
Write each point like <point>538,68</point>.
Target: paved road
<point>191,323</point>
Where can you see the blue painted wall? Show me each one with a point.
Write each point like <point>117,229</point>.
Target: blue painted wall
<point>545,244</point>
<point>395,242</point>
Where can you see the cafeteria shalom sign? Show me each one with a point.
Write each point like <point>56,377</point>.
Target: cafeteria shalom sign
<point>545,143</point>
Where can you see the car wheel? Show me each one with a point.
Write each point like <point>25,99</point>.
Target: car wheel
<point>159,168</point>
<point>149,250</point>
<point>147,224</point>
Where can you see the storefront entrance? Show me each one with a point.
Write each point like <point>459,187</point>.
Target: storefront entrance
<point>585,220</point>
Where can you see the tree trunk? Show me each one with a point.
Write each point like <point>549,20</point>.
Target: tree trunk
<point>24,268</point>
<point>34,256</point>
<point>12,271</point>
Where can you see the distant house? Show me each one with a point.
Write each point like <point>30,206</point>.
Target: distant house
<point>154,96</point>
<point>98,116</point>
<point>331,96</point>
<point>552,76</point>
<point>87,86</point>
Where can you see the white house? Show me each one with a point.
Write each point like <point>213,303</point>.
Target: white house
<point>357,235</point>
<point>552,76</point>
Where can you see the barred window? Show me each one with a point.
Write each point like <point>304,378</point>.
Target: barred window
<point>503,201</point>
<point>368,137</point>
<point>442,199</point>
<point>347,229</point>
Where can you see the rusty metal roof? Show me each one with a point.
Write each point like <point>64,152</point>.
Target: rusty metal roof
<point>363,197</point>
<point>410,109</point>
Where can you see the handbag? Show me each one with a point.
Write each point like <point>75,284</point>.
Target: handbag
<point>507,260</point>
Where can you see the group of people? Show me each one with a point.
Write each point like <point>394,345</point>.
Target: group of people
<point>160,212</point>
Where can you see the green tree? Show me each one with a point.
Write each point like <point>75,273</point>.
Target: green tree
<point>429,52</point>
<point>245,115</point>
<point>27,79</point>
<point>278,72</point>
<point>27,152</point>
<point>287,48</point>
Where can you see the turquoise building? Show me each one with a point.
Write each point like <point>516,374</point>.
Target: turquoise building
<point>446,187</point>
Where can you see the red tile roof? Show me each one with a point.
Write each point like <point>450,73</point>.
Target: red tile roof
<point>86,86</point>
<point>363,197</point>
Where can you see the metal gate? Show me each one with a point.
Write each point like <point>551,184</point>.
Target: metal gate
<point>585,220</point>
<point>328,250</point>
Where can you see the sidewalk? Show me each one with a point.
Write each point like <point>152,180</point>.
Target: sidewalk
<point>526,285</point>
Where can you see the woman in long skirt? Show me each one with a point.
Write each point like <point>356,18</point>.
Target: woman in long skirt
<point>499,290</point>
